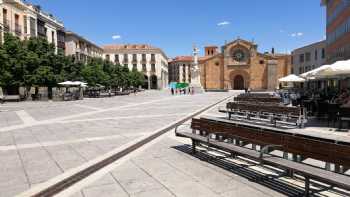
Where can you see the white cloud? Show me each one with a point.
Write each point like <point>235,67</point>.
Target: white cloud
<point>298,34</point>
<point>223,23</point>
<point>282,31</point>
<point>116,37</point>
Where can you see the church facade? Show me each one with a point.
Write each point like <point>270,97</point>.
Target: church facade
<point>240,66</point>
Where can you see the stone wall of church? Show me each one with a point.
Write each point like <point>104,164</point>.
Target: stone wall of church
<point>256,71</point>
<point>212,70</point>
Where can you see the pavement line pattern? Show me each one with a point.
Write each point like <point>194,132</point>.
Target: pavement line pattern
<point>62,182</point>
<point>57,143</point>
<point>123,117</point>
<point>87,107</point>
<point>30,124</point>
<point>25,117</point>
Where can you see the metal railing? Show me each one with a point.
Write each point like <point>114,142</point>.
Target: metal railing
<point>18,29</point>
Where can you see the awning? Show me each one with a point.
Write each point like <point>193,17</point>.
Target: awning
<point>338,69</point>
<point>292,78</point>
<point>312,73</point>
<point>73,83</point>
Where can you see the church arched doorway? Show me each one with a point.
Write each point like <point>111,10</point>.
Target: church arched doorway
<point>154,82</point>
<point>238,82</point>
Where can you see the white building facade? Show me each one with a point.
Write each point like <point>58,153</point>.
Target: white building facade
<point>81,48</point>
<point>149,60</point>
<point>180,69</point>
<point>308,57</point>
<point>26,20</point>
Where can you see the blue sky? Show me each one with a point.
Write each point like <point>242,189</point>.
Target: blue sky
<point>175,25</point>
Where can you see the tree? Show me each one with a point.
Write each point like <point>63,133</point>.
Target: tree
<point>93,74</point>
<point>14,52</point>
<point>35,62</point>
<point>136,78</point>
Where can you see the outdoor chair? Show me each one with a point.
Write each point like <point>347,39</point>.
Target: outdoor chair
<point>332,113</point>
<point>344,116</point>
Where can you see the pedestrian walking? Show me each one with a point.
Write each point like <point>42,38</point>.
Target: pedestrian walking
<point>172,91</point>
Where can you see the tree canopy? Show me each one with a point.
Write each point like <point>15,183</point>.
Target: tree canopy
<point>35,62</point>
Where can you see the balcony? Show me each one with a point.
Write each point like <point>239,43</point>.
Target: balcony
<point>143,61</point>
<point>6,25</point>
<point>125,61</point>
<point>134,61</point>
<point>61,45</point>
<point>153,61</point>
<point>18,29</point>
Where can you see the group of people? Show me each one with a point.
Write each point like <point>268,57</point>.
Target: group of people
<point>182,91</point>
<point>295,98</point>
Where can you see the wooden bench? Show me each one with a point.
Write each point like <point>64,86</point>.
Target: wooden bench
<point>306,146</point>
<point>267,112</point>
<point>258,99</point>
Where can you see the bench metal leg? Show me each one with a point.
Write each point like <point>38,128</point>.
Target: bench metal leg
<point>307,186</point>
<point>194,151</point>
<point>328,166</point>
<point>290,173</point>
<point>337,168</point>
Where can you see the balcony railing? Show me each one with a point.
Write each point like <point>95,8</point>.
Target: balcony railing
<point>61,45</point>
<point>6,25</point>
<point>153,61</point>
<point>134,61</point>
<point>18,29</point>
<point>125,61</point>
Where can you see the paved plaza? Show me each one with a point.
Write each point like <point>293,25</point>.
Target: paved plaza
<point>44,141</point>
<point>41,140</point>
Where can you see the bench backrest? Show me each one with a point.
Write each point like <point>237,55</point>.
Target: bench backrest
<point>308,147</point>
<point>275,109</point>
<point>258,99</point>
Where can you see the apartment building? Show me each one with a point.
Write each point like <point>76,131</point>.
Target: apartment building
<point>26,20</point>
<point>308,57</point>
<point>180,69</point>
<point>150,60</point>
<point>338,30</point>
<point>81,48</point>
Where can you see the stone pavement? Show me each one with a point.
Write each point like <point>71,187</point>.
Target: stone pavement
<point>163,170</point>
<point>167,168</point>
<point>41,140</point>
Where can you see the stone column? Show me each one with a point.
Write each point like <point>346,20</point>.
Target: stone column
<point>272,74</point>
<point>195,73</point>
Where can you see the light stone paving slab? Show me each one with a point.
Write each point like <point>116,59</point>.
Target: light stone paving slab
<point>62,139</point>
<point>9,118</point>
<point>177,174</point>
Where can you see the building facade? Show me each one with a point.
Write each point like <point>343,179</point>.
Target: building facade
<point>180,69</point>
<point>81,48</point>
<point>240,66</point>
<point>150,60</point>
<point>26,20</point>
<point>308,57</point>
<point>338,30</point>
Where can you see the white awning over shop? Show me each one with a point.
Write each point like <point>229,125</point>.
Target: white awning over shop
<point>73,83</point>
<point>292,78</point>
<point>312,73</point>
<point>338,69</point>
